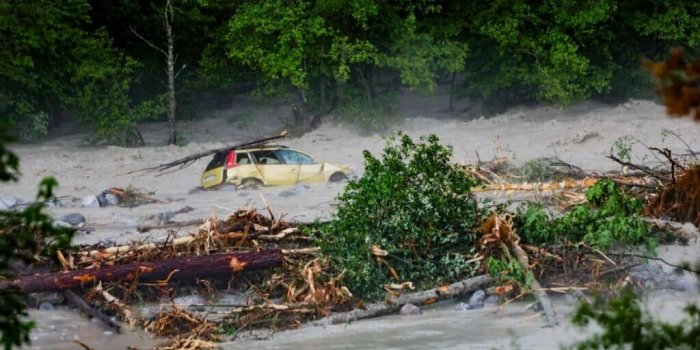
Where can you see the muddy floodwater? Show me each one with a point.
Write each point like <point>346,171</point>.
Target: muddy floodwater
<point>59,329</point>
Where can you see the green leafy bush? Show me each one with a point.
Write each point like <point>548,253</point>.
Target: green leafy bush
<point>413,203</point>
<point>625,326</point>
<point>509,270</point>
<point>610,216</point>
<point>24,235</point>
<point>32,126</point>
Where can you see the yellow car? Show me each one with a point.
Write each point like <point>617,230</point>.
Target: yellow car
<point>269,166</point>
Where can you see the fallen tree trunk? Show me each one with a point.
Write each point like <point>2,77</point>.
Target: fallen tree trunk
<point>537,290</point>
<point>175,268</point>
<point>419,298</point>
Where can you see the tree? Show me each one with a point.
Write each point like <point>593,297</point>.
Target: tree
<point>169,53</point>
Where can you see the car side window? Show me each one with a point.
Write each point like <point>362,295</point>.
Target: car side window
<point>294,157</point>
<point>242,158</point>
<point>266,157</point>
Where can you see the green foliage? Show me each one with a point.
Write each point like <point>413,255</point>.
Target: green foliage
<point>625,326</point>
<point>610,216</point>
<point>420,57</point>
<point>105,77</point>
<point>32,127</point>
<point>509,271</point>
<point>622,149</point>
<point>23,236</point>
<point>367,117</point>
<point>413,203</point>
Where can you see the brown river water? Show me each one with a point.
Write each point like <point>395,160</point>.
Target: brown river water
<point>441,326</point>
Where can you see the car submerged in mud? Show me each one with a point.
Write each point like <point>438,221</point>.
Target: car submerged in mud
<point>269,166</point>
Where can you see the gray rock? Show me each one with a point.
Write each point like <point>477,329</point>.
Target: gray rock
<point>410,309</point>
<point>90,202</point>
<point>477,298</point>
<point>108,333</point>
<point>494,299</point>
<point>102,200</point>
<point>59,223</point>
<point>46,306</point>
<point>74,219</point>
<point>112,199</point>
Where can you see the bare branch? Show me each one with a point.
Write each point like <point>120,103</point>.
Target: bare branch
<point>148,42</point>
<point>180,71</point>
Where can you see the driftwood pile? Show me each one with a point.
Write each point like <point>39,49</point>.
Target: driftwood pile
<point>269,260</point>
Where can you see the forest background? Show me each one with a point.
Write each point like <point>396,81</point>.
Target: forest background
<point>112,64</point>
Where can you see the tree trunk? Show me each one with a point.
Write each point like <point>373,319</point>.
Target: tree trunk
<point>170,58</point>
<point>452,91</point>
<point>176,268</point>
<point>419,298</point>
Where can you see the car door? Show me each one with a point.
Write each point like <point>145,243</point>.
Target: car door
<point>240,167</point>
<point>273,169</point>
<point>302,166</point>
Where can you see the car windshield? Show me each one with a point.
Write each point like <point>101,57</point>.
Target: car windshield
<point>294,157</point>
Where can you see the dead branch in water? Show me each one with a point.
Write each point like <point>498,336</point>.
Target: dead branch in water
<point>419,298</point>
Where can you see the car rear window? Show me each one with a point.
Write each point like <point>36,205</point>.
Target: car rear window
<point>216,162</point>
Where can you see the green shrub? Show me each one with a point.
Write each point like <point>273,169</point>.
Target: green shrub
<point>413,203</point>
<point>32,126</point>
<point>610,216</point>
<point>625,326</point>
<point>367,117</point>
<point>24,236</point>
<point>509,271</point>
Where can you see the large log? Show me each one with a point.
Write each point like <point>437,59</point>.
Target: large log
<point>419,298</point>
<point>175,268</point>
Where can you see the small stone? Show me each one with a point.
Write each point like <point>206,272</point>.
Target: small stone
<point>74,219</point>
<point>111,199</point>
<point>90,202</point>
<point>46,306</point>
<point>410,309</point>
<point>108,333</point>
